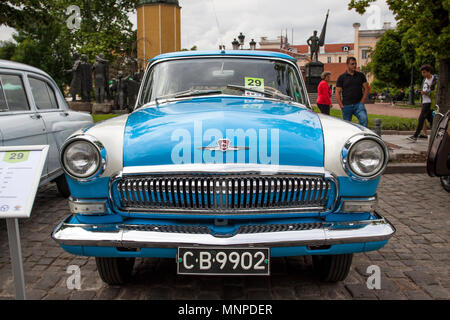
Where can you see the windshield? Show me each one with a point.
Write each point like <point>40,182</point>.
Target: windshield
<point>186,77</point>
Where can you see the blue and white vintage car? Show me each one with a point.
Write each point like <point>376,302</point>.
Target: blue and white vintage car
<point>222,166</point>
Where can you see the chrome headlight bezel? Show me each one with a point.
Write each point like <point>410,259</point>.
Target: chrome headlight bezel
<point>347,149</point>
<point>98,147</point>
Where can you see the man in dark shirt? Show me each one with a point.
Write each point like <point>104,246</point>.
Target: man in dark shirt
<point>354,88</point>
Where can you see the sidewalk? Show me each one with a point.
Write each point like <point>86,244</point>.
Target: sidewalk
<point>406,156</point>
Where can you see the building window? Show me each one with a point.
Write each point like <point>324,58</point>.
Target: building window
<point>329,59</point>
<point>364,53</point>
<point>340,59</point>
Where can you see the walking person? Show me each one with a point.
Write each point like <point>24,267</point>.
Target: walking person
<point>324,93</point>
<point>428,84</point>
<point>354,88</point>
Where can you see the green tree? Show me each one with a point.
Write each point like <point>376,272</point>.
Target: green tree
<point>388,64</point>
<point>427,30</point>
<point>45,41</point>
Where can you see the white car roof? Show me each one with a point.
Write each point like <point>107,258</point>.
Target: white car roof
<point>6,64</point>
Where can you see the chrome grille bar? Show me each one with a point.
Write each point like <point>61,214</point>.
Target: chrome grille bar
<point>232,193</point>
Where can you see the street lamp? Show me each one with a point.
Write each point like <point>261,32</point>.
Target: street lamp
<point>235,44</point>
<point>241,38</point>
<point>253,45</point>
<point>411,88</point>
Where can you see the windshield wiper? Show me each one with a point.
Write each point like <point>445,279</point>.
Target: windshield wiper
<point>265,91</point>
<point>188,93</point>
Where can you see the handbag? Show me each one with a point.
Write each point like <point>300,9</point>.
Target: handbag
<point>438,159</point>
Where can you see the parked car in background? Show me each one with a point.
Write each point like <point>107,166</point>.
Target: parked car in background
<point>33,111</point>
<point>223,165</point>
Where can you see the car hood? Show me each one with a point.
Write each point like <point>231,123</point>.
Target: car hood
<point>187,131</point>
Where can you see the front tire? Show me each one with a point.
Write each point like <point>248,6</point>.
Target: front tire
<point>332,268</point>
<point>115,271</point>
<point>445,182</point>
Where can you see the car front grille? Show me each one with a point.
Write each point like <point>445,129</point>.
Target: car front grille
<point>223,194</point>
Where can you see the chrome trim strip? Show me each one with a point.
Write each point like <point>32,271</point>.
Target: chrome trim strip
<point>332,233</point>
<point>219,168</point>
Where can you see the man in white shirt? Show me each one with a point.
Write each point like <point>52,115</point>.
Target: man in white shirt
<point>426,113</point>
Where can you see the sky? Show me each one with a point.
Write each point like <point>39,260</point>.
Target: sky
<point>208,23</point>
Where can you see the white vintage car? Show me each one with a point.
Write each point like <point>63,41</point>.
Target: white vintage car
<point>33,111</point>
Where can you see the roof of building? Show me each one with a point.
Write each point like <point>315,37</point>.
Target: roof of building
<point>6,64</point>
<point>336,70</point>
<point>338,47</point>
<point>255,53</point>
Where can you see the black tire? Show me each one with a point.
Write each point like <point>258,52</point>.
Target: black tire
<point>115,271</point>
<point>63,187</point>
<point>332,268</point>
<point>445,182</point>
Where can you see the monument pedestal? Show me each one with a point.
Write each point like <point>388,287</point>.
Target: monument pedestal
<point>314,70</point>
<point>104,107</point>
<point>80,106</point>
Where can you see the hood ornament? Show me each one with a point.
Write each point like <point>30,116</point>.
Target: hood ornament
<point>224,145</point>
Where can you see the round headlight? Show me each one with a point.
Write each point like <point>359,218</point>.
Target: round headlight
<point>364,158</point>
<point>81,159</point>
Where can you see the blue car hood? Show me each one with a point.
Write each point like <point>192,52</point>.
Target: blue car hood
<point>265,132</point>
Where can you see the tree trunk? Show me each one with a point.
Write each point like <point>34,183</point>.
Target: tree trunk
<point>443,93</point>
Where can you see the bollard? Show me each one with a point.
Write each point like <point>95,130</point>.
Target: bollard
<point>378,126</point>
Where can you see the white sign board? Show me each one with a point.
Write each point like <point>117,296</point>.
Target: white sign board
<point>20,173</point>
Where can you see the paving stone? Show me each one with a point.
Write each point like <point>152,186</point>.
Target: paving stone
<point>359,291</point>
<point>83,295</point>
<point>421,278</point>
<point>437,292</point>
<point>416,295</point>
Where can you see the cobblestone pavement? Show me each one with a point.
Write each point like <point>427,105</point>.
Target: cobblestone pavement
<point>414,265</point>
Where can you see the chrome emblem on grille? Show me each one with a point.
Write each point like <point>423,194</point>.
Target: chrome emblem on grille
<point>224,145</point>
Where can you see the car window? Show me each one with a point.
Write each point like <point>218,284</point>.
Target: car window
<point>13,93</point>
<point>3,105</point>
<point>43,94</point>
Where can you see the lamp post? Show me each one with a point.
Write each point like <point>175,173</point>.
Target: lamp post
<point>411,88</point>
<point>253,45</point>
<point>235,44</point>
<point>241,38</point>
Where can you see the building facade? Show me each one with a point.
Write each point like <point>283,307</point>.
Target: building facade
<point>158,28</point>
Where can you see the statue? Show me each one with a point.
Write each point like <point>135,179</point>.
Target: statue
<point>101,77</point>
<point>119,86</point>
<point>133,85</point>
<point>75,85</point>
<point>86,79</point>
<point>313,43</point>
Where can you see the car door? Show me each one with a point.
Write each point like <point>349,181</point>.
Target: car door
<point>19,123</point>
<point>60,122</point>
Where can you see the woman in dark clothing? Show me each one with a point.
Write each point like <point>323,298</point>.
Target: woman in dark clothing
<point>324,93</point>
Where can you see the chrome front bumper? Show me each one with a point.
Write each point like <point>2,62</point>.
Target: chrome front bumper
<point>328,233</point>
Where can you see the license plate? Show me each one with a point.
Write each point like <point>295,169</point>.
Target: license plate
<point>223,261</point>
